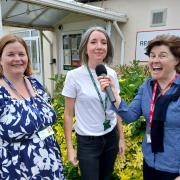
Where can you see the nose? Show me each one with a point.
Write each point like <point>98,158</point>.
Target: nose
<point>17,57</point>
<point>155,59</point>
<point>98,45</point>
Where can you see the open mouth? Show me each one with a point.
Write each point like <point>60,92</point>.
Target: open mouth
<point>157,68</point>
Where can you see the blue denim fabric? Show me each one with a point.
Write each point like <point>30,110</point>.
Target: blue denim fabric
<point>169,160</point>
<point>96,155</point>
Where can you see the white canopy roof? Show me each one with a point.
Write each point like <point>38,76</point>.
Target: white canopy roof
<point>46,14</point>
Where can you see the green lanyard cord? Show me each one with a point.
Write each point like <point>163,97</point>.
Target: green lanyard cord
<point>104,105</point>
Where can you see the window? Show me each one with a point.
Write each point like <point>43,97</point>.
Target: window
<point>158,17</point>
<point>32,39</point>
<point>34,54</point>
<point>71,44</point>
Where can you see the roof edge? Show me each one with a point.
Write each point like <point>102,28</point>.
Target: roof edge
<point>82,8</point>
<point>23,25</point>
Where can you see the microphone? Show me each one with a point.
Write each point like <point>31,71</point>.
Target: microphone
<point>101,71</point>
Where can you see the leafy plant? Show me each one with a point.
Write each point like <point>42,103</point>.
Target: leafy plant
<point>130,78</point>
<point>70,171</point>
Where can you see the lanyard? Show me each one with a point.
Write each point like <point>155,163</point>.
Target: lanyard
<point>15,90</point>
<point>104,105</point>
<point>33,105</point>
<point>152,104</point>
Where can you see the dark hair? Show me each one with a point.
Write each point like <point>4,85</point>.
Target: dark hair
<point>171,41</point>
<point>83,45</point>
<point>10,38</point>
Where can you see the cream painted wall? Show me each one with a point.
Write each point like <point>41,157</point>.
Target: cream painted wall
<point>8,29</point>
<point>139,14</point>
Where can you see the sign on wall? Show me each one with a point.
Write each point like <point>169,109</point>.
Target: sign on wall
<point>143,37</point>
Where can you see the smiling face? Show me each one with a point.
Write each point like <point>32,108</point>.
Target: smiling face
<point>162,63</point>
<point>14,59</point>
<point>96,48</point>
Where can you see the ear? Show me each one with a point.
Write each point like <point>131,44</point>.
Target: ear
<point>177,61</point>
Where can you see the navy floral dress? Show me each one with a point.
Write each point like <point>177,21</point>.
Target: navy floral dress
<point>23,155</point>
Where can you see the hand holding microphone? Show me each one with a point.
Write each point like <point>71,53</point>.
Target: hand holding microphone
<point>105,83</point>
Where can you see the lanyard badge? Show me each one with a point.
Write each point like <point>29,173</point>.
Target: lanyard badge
<point>43,134</point>
<point>152,105</point>
<point>106,122</point>
<point>148,137</point>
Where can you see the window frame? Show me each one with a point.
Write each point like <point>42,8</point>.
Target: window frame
<point>66,67</point>
<point>164,18</point>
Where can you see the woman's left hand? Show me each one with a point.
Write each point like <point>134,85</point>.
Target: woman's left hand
<point>122,145</point>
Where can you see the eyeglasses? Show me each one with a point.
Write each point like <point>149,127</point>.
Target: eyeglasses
<point>160,56</point>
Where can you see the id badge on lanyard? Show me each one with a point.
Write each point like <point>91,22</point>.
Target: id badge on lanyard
<point>148,137</point>
<point>43,134</point>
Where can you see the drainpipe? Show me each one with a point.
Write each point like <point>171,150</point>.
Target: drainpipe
<point>42,56</point>
<point>1,29</point>
<point>52,61</point>
<point>122,42</point>
<point>108,28</point>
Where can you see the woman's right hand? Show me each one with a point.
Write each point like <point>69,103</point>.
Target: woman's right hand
<point>106,81</point>
<point>72,157</point>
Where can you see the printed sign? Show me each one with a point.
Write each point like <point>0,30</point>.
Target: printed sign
<point>143,37</point>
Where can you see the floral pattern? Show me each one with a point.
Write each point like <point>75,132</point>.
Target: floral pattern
<point>23,155</point>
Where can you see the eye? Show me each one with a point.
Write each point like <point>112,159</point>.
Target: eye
<point>104,42</point>
<point>162,56</point>
<point>10,54</point>
<point>21,54</point>
<point>152,56</point>
<point>93,42</point>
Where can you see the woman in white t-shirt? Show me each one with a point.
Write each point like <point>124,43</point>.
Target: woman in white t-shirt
<point>99,134</point>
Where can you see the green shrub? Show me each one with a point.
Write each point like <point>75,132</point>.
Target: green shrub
<point>71,172</point>
<point>130,166</point>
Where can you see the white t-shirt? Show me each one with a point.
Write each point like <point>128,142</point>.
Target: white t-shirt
<point>89,113</point>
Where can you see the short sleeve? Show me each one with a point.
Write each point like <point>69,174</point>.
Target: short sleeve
<point>69,89</point>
